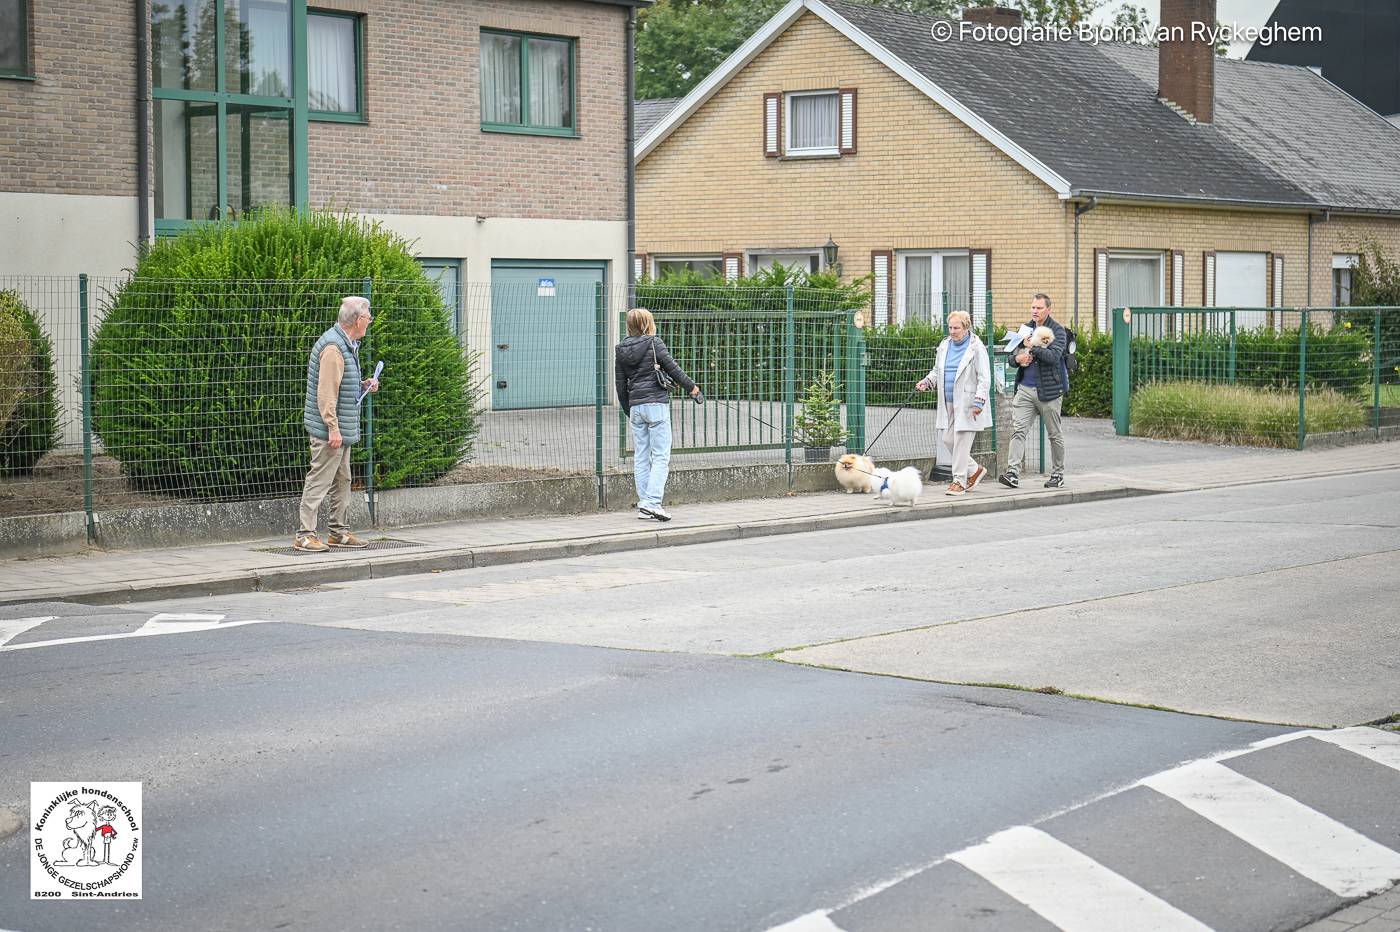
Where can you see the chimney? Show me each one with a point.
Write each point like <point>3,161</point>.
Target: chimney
<point>992,15</point>
<point>1186,59</point>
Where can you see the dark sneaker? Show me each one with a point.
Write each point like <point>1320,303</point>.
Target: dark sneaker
<point>347,540</point>
<point>656,511</point>
<point>976,477</point>
<point>1055,482</point>
<point>1008,480</point>
<point>309,543</point>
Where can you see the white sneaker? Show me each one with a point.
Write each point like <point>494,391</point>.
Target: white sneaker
<point>642,515</point>
<point>657,512</point>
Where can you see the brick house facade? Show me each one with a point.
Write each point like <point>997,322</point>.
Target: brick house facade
<point>939,175</point>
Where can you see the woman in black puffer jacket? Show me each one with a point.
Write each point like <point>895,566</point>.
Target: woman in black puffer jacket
<point>647,403</point>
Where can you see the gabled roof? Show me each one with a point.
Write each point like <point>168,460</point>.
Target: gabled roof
<point>647,113</point>
<point>1085,118</point>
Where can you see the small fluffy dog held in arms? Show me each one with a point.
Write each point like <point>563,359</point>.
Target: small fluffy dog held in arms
<point>898,488</point>
<point>1042,336</point>
<point>854,472</point>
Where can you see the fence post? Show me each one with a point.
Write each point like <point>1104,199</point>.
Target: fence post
<point>86,364</point>
<point>789,379</point>
<point>1230,374</point>
<point>600,384</point>
<point>1122,370</point>
<point>370,503</point>
<point>855,384</point>
<point>1376,378</point>
<point>1302,380</point>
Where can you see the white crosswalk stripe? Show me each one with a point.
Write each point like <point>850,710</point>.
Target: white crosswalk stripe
<point>1068,888</point>
<point>1078,894</point>
<point>1321,849</point>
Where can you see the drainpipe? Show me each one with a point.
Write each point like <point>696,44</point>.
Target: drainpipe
<point>143,128</point>
<point>629,83</point>
<point>1079,209</point>
<point>1312,219</point>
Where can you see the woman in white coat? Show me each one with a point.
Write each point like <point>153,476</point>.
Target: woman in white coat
<point>963,378</point>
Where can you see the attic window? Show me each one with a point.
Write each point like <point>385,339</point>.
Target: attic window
<point>813,123</point>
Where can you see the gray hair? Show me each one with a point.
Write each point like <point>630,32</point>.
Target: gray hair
<point>962,317</point>
<point>352,308</point>
<point>1042,296</point>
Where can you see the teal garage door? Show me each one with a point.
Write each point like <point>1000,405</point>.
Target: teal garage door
<point>542,334</point>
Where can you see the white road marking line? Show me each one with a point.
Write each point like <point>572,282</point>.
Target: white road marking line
<point>11,628</point>
<point>143,631</point>
<point>1383,747</point>
<point>166,623</point>
<point>818,921</point>
<point>1067,887</point>
<point>1316,846</point>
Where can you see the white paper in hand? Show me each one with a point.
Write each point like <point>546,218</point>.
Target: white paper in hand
<point>1016,339</point>
<point>379,367</point>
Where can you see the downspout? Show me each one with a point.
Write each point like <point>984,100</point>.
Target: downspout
<point>143,128</point>
<point>1078,210</point>
<point>631,162</point>
<point>1312,219</point>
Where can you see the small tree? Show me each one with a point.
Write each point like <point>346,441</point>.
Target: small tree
<point>1376,283</point>
<point>28,399</point>
<point>819,424</point>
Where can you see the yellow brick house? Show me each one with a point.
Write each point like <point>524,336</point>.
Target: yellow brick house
<point>1106,174</point>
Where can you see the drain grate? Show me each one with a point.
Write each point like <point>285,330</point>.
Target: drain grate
<point>382,543</point>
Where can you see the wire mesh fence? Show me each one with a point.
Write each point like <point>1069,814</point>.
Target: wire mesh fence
<point>1277,377</point>
<point>121,393</point>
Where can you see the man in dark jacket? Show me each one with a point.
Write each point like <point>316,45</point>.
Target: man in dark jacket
<point>647,403</point>
<point>1041,382</point>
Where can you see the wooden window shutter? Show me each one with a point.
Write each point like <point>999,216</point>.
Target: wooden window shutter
<point>733,266</point>
<point>1278,280</point>
<point>1178,278</point>
<point>1101,291</point>
<point>772,125</point>
<point>1208,279</point>
<point>882,272</point>
<point>981,285</point>
<point>639,266</point>
<point>848,121</point>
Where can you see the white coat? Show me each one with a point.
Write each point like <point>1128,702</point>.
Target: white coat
<point>973,380</point>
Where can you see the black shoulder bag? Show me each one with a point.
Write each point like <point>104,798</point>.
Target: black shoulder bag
<point>662,379</point>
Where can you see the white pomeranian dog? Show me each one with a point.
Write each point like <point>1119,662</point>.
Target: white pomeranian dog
<point>898,488</point>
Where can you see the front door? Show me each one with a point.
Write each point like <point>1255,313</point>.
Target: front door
<point>543,323</point>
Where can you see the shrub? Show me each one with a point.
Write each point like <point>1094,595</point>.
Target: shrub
<point>200,362</point>
<point>899,355</point>
<point>1376,282</point>
<point>1091,388</point>
<point>1237,414</point>
<point>28,398</point>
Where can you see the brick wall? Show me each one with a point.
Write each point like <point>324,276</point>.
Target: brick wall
<point>423,151</point>
<point>1348,235</point>
<point>73,131</point>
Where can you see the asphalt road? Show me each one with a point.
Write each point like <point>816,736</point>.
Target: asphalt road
<point>575,745</point>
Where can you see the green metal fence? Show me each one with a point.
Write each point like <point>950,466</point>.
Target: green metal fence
<point>1279,377</point>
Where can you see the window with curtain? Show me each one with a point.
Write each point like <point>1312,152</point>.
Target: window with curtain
<point>1136,281</point>
<point>957,282</point>
<point>527,83</point>
<point>14,37</point>
<point>706,266</point>
<point>813,123</point>
<point>333,64</point>
<point>918,288</point>
<point>1341,287</point>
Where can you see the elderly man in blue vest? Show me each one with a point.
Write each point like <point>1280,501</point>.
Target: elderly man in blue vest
<point>332,418</point>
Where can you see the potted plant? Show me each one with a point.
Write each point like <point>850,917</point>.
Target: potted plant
<point>819,425</point>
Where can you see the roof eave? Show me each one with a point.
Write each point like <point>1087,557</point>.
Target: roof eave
<point>1222,203</point>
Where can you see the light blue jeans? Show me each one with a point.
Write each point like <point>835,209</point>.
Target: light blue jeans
<point>651,460</point>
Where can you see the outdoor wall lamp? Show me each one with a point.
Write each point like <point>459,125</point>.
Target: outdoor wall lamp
<point>829,253</point>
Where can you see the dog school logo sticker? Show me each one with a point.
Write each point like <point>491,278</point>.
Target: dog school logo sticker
<point>86,841</point>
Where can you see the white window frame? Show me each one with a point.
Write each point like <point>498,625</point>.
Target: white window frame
<point>781,255</point>
<point>810,151</point>
<point>902,278</point>
<point>656,262</point>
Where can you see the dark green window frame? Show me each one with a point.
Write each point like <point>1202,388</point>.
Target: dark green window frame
<point>525,127</point>
<point>454,312</point>
<point>25,72</point>
<point>221,99</point>
<point>337,116</point>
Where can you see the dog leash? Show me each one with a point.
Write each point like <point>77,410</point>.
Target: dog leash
<point>891,420</point>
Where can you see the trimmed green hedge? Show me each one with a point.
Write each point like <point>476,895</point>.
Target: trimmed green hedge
<point>200,362</point>
<point>29,428</point>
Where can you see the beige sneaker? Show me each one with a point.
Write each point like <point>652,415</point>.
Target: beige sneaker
<point>955,488</point>
<point>346,540</point>
<point>309,543</point>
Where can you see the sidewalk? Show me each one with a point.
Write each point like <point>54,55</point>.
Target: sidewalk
<point>107,577</point>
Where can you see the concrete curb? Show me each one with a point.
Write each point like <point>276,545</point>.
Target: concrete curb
<point>400,564</point>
